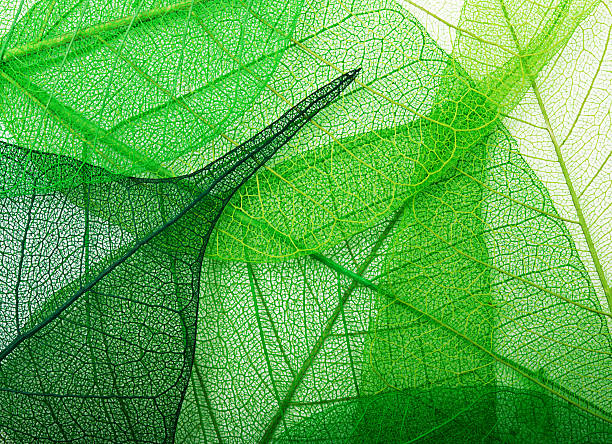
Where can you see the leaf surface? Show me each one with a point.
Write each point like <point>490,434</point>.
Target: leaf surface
<point>131,86</point>
<point>480,321</point>
<point>413,328</point>
<point>568,141</point>
<point>100,312</point>
<point>405,268</point>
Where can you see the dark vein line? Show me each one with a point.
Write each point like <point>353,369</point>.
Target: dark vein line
<point>287,125</point>
<point>254,291</point>
<point>296,382</point>
<point>21,258</point>
<point>208,403</point>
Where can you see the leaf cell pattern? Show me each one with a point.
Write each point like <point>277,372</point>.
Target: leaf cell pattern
<point>415,258</point>
<point>92,347</point>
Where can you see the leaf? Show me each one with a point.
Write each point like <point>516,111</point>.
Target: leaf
<point>573,103</point>
<point>392,136</point>
<point>479,321</point>
<point>99,334</point>
<point>134,85</point>
<point>568,141</point>
<point>456,258</point>
<point>410,92</point>
<point>400,271</point>
<point>432,325</point>
<point>11,13</point>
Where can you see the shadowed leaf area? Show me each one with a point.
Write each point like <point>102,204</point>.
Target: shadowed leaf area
<point>454,415</point>
<point>100,307</point>
<point>380,264</point>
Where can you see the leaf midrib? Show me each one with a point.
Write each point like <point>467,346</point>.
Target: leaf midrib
<point>566,177</point>
<point>285,238</point>
<point>575,200</point>
<point>359,279</point>
<point>88,132</point>
<point>94,30</point>
<point>131,251</point>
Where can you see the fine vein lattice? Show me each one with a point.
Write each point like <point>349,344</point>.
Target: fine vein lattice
<point>102,283</point>
<point>417,251</point>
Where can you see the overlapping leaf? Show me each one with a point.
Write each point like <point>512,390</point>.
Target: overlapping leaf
<point>398,273</point>
<point>99,312</point>
<point>415,111</point>
<point>568,140</point>
<point>131,86</point>
<point>448,321</point>
<point>483,294</point>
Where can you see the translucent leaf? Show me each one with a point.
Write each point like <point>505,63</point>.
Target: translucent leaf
<point>131,86</point>
<point>466,316</point>
<point>99,315</point>
<point>416,110</point>
<point>564,130</point>
<point>400,271</point>
<point>462,312</point>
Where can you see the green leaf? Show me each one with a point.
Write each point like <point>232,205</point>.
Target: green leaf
<point>479,321</point>
<point>416,110</point>
<point>132,86</point>
<point>99,334</point>
<point>402,129</point>
<point>568,141</point>
<point>462,255</point>
<point>404,269</point>
<point>468,315</point>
